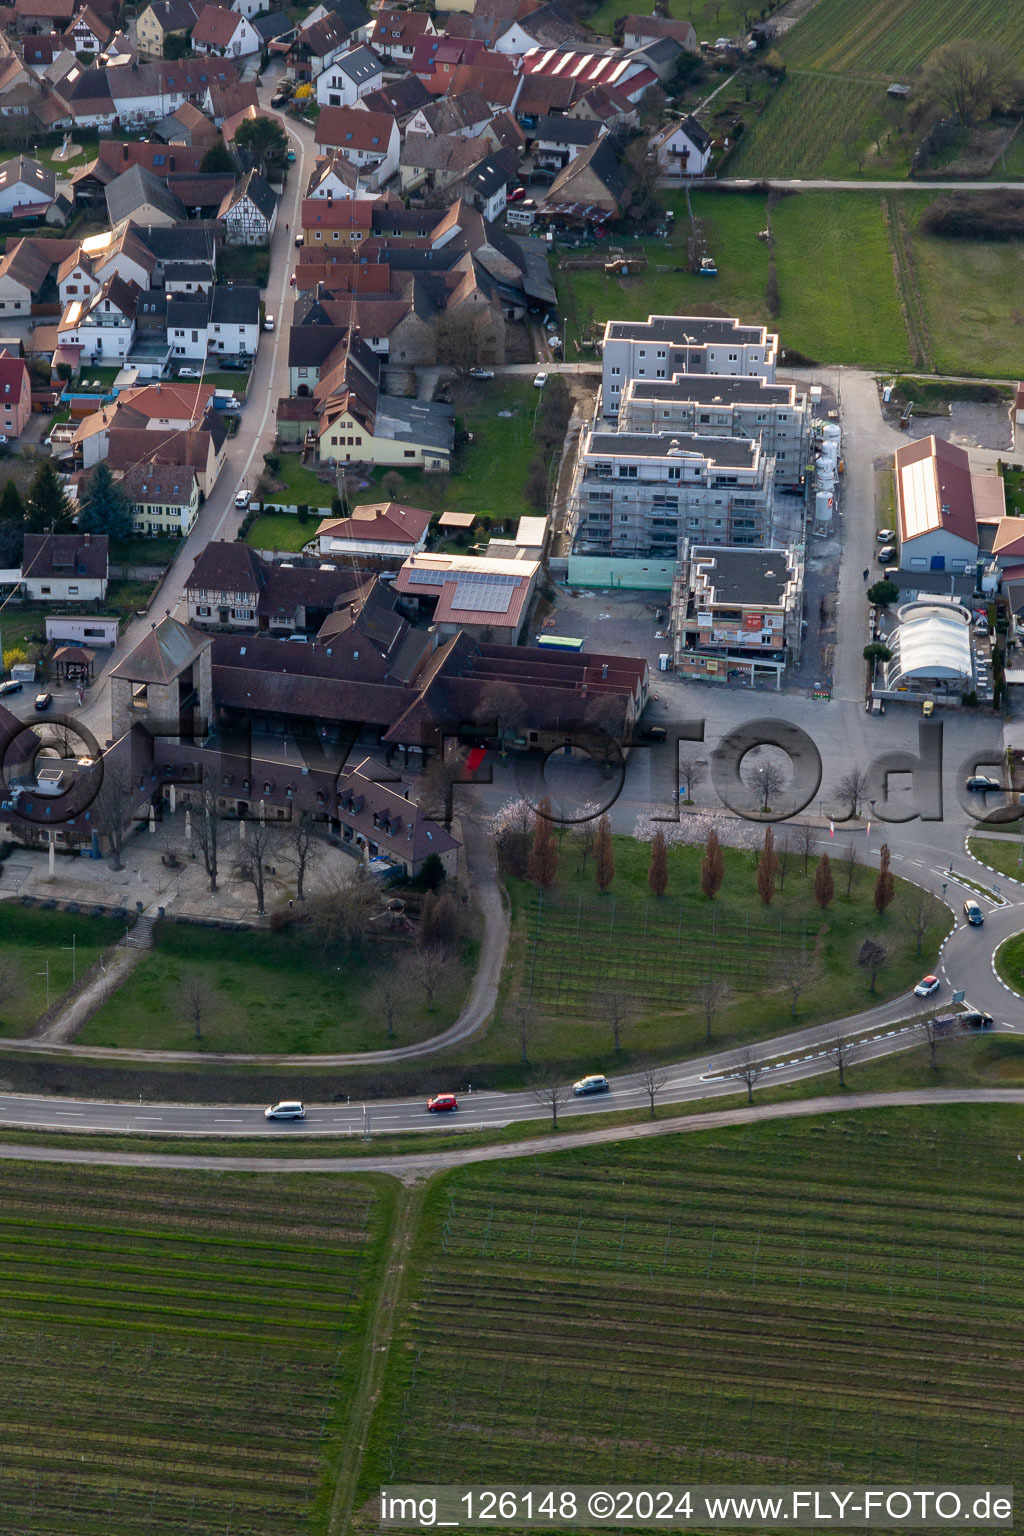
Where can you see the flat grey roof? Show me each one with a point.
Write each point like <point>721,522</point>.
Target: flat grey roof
<point>745,576</point>
<point>702,329</point>
<point>738,451</point>
<point>713,388</point>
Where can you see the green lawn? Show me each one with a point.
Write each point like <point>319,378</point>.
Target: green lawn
<point>31,940</point>
<point>238,381</point>
<point>731,221</point>
<point>981,332</point>
<point>488,474</point>
<point>1014,482</point>
<point>801,1301</point>
<point>128,597</point>
<point>1001,853</point>
<point>1009,962</point>
<point>301,487</point>
<point>573,948</point>
<point>153,551</point>
<point>282,530</point>
<point>710,18</point>
<point>180,1350</point>
<point>22,627</point>
<point>268,992</point>
<point>835,266</point>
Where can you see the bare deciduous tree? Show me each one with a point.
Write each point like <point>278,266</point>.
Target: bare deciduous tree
<point>968,80</point>
<point>748,1069</point>
<point>341,916</point>
<point>712,996</point>
<point>806,837</point>
<point>552,1097</point>
<point>503,707</point>
<point>850,861</point>
<point>799,972</point>
<point>387,995</point>
<point>206,829</point>
<point>851,790</point>
<point>437,797</point>
<point>692,772</point>
<point>653,1079</point>
<point>524,1021</point>
<point>112,805</point>
<point>427,966</point>
<point>304,848</point>
<point>620,1012</point>
<point>12,988</point>
<point>871,957</point>
<point>766,779</point>
<point>917,912</point>
<point>197,1001</point>
<point>843,1051</point>
<point>782,856</point>
<point>933,1033</point>
<point>252,863</point>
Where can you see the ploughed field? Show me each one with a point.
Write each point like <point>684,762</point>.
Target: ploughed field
<point>173,1346</point>
<point>835,1299</point>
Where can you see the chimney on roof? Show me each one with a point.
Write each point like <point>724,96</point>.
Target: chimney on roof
<point>124,151</point>
<point>86,537</point>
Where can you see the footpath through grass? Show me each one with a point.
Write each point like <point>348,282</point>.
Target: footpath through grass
<point>836,1298</point>
<point>32,941</point>
<point>266,992</point>
<point>180,1350</point>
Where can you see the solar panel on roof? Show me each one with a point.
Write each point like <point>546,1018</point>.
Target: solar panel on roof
<point>426,576</point>
<point>484,599</point>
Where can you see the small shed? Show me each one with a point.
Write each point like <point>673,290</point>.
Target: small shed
<point>466,521</point>
<point>897,92</point>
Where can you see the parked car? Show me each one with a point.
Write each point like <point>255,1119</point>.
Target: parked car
<point>516,195</point>
<point>981,783</point>
<point>974,1019</point>
<point>442,1103</point>
<point>594,1083</point>
<point>287,1109</point>
<point>885,535</point>
<point>887,554</point>
<point>540,381</point>
<point>973,913</point>
<point>268,322</point>
<point>243,498</point>
<point>481,373</point>
<point>278,99</point>
<point>43,700</point>
<point>10,687</point>
<point>926,986</point>
<point>189,373</point>
<point>299,240</point>
<point>290,157</point>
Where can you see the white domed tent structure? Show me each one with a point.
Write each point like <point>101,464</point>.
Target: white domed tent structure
<point>931,649</point>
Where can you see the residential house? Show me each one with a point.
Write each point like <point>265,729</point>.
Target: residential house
<point>486,18</point>
<point>249,211</point>
<point>604,104</point>
<point>87,33</point>
<point>557,140</point>
<point>465,116</point>
<point>639,30</point>
<point>15,395</point>
<point>396,33</point>
<point>231,587</point>
<point>639,494</point>
<point>663,346</point>
<point>164,498</point>
<point>65,567</point>
<point>594,179</point>
<point>383,819</point>
<point>349,78</point>
<point>334,177</point>
<point>411,434</point>
<point>101,328</point>
<point>31,16</point>
<point>487,599</point>
<point>90,182</point>
<point>399,99</point>
<point>342,223</point>
<point>383,531</point>
<point>224,99</point>
<point>140,197</point>
<point>27,188</point>
<point>187,126</point>
<point>222,323</point>
<point>98,257</point>
<point>226,33</point>
<point>274,27</point>
<point>437,161</point>
<point>543,96</point>
<point>316,46</point>
<point>593,64</point>
<point>129,448</point>
<point>936,517</point>
<point>162,19</point>
<point>484,187</point>
<point>682,148</point>
<point>547,26</point>
<point>28,273</point>
<point>736,613</point>
<point>369,140</point>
